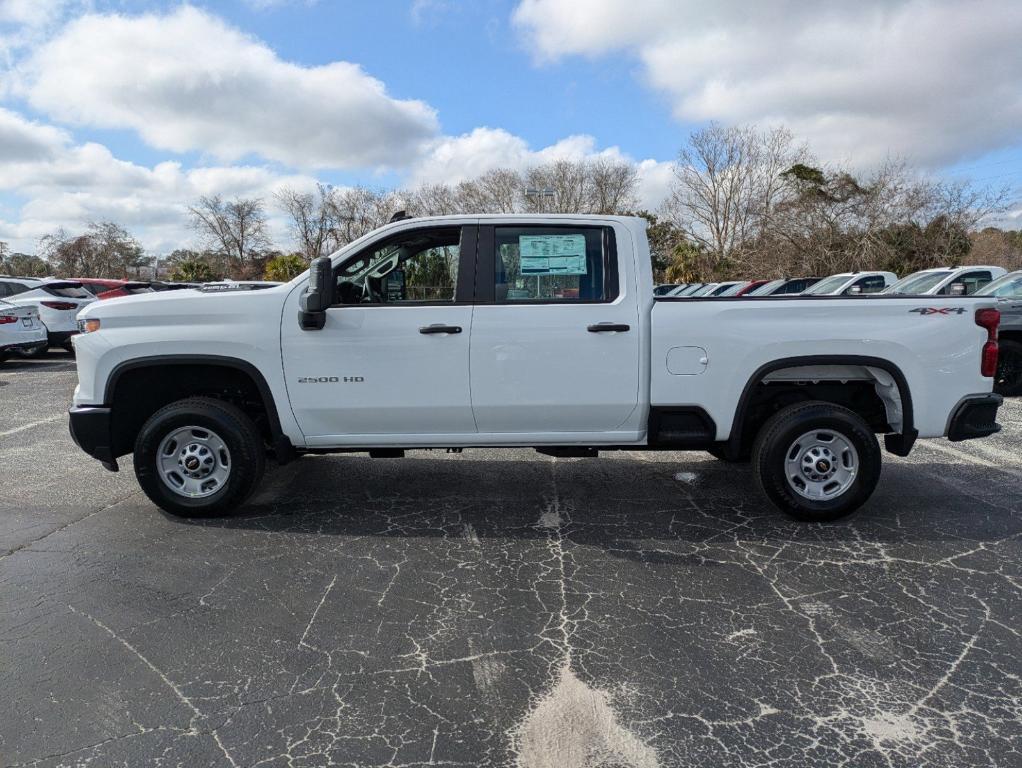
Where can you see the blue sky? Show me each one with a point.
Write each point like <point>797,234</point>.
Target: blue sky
<point>128,110</point>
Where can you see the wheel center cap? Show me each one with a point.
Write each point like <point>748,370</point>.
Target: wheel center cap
<point>191,463</point>
<point>822,465</point>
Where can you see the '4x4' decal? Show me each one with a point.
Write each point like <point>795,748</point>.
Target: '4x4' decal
<point>939,310</point>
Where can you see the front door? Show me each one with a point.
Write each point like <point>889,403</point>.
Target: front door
<point>555,336</point>
<point>393,357</point>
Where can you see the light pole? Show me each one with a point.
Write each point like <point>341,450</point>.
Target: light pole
<point>537,194</point>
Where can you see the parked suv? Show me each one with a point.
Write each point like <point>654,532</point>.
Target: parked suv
<point>57,301</point>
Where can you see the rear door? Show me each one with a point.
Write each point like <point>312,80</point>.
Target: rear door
<point>555,334</point>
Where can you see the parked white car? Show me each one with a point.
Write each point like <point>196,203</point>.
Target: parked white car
<point>946,281</point>
<point>57,302</point>
<point>21,330</point>
<point>851,284</point>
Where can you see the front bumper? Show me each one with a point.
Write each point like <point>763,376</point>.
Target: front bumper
<point>91,430</point>
<point>974,417</point>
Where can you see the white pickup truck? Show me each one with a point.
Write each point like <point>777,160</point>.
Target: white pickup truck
<point>538,331</point>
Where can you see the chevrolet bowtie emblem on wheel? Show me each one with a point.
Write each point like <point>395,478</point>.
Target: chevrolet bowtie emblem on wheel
<point>331,380</point>
<point>939,310</point>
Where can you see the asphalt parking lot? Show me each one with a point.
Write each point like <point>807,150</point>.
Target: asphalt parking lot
<point>504,608</point>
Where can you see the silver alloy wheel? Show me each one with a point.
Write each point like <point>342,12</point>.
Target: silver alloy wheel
<point>821,465</point>
<point>193,462</point>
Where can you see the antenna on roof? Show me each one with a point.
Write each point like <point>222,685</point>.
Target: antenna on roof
<point>399,216</point>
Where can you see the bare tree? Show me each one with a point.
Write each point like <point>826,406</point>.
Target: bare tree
<point>311,218</point>
<point>498,191</point>
<point>236,229</point>
<point>356,211</point>
<point>726,183</point>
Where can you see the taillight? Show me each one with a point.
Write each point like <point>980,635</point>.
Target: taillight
<point>59,305</point>
<point>7,319</point>
<point>989,319</point>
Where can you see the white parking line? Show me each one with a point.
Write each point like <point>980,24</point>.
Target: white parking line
<point>967,457</point>
<point>23,427</point>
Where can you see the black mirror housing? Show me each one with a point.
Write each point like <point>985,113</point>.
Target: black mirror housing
<point>318,295</point>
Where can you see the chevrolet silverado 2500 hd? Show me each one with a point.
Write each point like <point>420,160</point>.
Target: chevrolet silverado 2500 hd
<point>538,331</point>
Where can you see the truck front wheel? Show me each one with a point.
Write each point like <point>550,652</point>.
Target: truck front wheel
<point>199,457</point>
<point>816,461</point>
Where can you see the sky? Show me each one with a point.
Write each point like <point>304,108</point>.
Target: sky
<point>129,110</point>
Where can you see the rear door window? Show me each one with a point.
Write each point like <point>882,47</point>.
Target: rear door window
<point>553,264</point>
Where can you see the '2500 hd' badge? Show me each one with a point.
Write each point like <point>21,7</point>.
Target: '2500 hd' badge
<point>939,310</point>
<point>330,379</point>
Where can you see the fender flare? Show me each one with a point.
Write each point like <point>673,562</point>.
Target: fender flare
<point>213,360</point>
<point>899,444</point>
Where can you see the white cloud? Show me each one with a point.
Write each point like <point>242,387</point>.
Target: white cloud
<point>187,81</point>
<point>456,158</point>
<point>932,81</point>
<point>67,184</point>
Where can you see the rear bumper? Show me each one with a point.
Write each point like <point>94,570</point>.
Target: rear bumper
<point>91,430</point>
<point>975,416</point>
<point>58,338</point>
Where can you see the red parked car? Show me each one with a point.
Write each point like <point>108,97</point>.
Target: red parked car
<point>751,287</point>
<point>103,288</point>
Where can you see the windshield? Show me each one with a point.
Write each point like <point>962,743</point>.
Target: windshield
<point>827,285</point>
<point>766,289</point>
<point>919,282</point>
<point>1007,286</point>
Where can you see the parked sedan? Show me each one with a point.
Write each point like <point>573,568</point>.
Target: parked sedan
<point>57,301</point>
<point>21,330</point>
<point>852,284</point>
<point>1008,289</point>
<point>946,281</point>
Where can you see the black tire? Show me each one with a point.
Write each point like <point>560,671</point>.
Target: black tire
<point>231,425</point>
<point>34,353</point>
<point>69,347</point>
<point>1008,381</point>
<point>784,428</point>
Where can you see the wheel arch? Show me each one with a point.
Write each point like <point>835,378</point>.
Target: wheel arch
<point>899,443</point>
<point>236,366</point>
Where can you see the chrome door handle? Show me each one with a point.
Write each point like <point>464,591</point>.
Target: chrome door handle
<point>440,328</point>
<point>608,328</point>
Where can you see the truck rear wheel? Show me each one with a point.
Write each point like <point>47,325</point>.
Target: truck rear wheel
<point>199,457</point>
<point>816,461</point>
<point>1008,381</point>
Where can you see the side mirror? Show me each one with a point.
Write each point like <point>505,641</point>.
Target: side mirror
<point>957,289</point>
<point>319,295</point>
<point>855,290</point>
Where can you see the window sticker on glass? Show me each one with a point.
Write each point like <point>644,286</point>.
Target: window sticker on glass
<point>552,254</point>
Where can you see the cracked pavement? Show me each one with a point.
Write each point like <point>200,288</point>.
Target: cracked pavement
<point>504,608</point>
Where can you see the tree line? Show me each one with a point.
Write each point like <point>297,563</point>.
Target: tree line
<point>743,202</point>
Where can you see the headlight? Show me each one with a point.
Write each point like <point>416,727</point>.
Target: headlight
<point>88,326</point>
